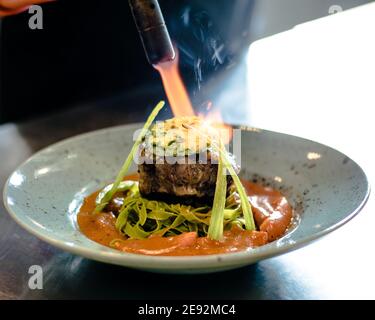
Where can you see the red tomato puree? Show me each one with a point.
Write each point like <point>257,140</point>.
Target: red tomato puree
<point>272,214</point>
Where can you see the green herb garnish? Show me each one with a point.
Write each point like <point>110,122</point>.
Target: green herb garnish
<point>124,170</point>
<point>216,229</point>
<point>245,203</point>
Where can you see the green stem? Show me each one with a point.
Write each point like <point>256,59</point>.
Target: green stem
<point>130,158</point>
<point>246,207</point>
<point>216,228</point>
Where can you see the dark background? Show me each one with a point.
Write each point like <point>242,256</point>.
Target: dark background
<point>90,50</point>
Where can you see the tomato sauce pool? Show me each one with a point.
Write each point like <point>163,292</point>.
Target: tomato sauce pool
<point>272,214</point>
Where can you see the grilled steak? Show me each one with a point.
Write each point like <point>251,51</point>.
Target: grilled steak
<point>180,181</point>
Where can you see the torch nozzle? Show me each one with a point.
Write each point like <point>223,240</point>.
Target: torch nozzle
<point>153,31</point>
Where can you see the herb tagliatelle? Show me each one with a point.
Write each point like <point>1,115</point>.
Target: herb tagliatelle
<point>140,218</point>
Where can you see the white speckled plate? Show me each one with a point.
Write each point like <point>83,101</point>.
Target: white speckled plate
<point>44,194</point>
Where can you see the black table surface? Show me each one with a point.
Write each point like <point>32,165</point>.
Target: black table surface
<point>340,265</point>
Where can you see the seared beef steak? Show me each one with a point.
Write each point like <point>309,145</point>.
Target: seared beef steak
<point>178,181</point>
<point>191,184</point>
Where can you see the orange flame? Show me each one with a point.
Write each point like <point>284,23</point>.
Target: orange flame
<point>175,89</point>
<point>215,120</point>
<point>180,102</point>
